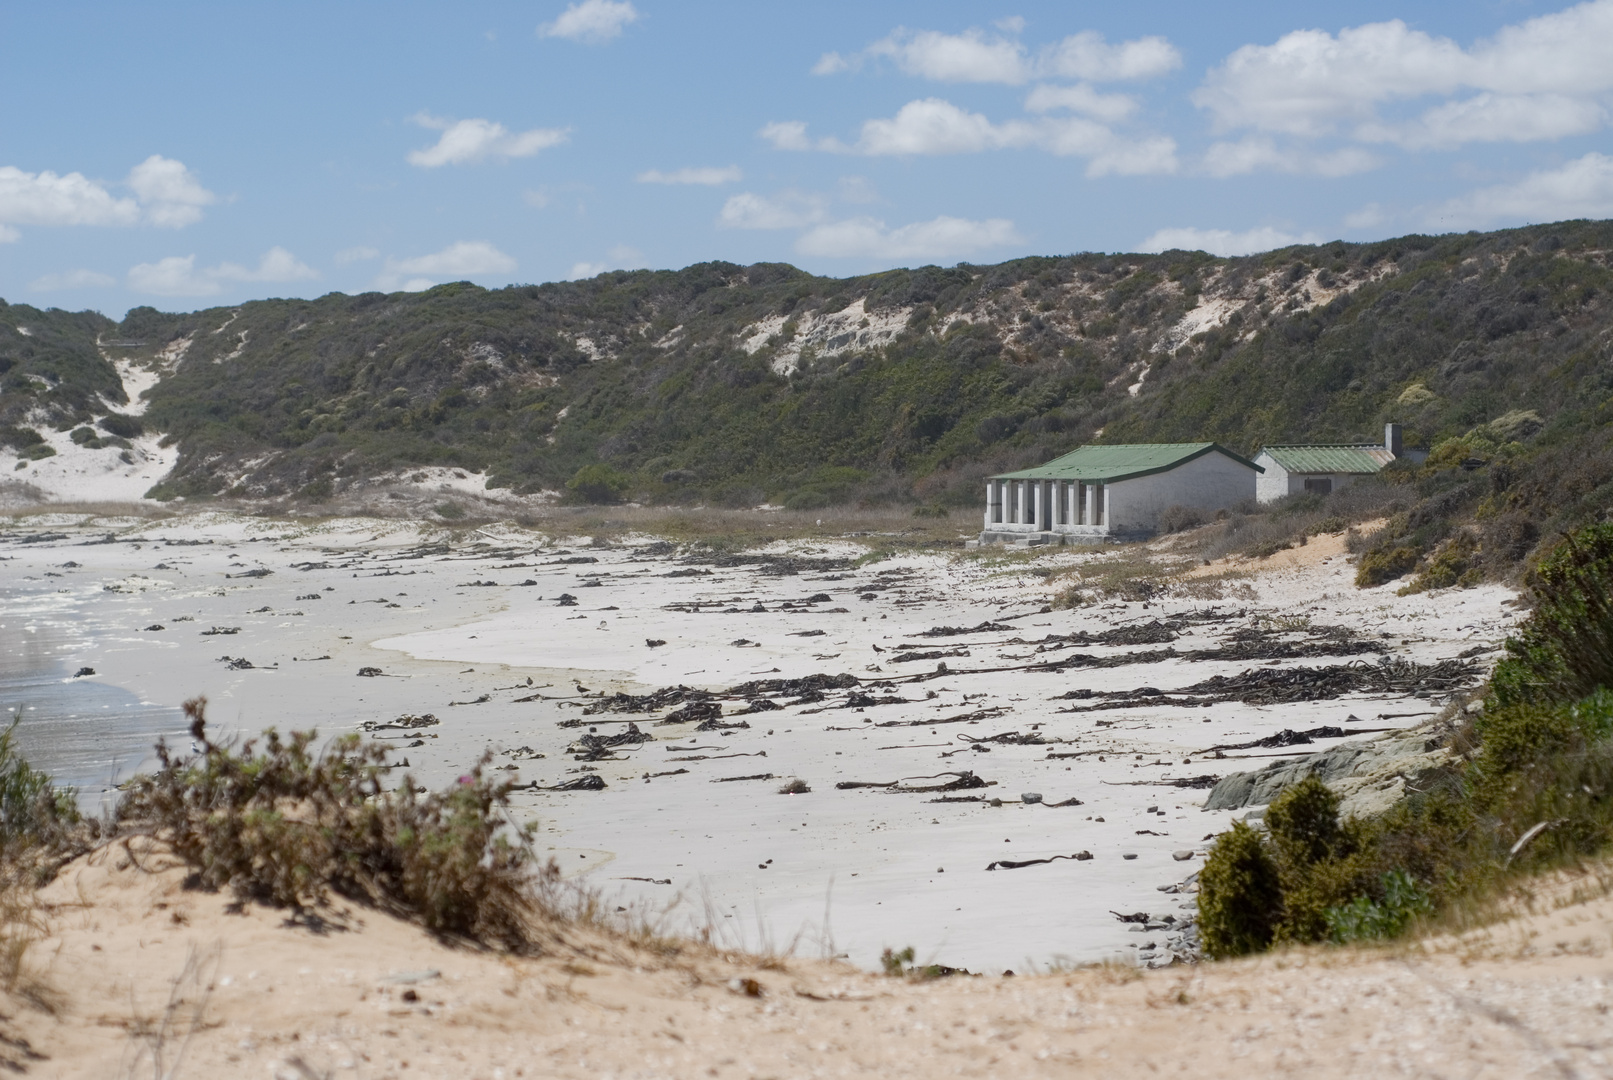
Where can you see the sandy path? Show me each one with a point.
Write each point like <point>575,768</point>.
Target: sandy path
<point>132,954</point>
<point>842,872</point>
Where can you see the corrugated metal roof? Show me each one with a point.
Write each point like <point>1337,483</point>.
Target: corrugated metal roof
<point>1123,462</point>
<point>1329,459</point>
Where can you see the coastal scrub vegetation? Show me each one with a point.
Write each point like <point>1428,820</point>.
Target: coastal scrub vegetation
<point>283,825</point>
<point>1532,788</point>
<point>728,386</point>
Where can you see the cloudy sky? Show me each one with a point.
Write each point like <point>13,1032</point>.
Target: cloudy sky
<point>186,155</point>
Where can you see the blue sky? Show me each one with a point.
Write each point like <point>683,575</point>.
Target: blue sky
<point>186,155</point>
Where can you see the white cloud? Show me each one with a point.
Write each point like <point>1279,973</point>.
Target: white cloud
<point>972,56</point>
<point>72,279</point>
<point>8,235</point>
<point>581,270</point>
<point>47,199</point>
<point>1081,98</point>
<point>965,57</point>
<point>535,198</point>
<point>466,141</point>
<point>789,210</point>
<point>1088,56</point>
<point>786,135</point>
<point>710,175</point>
<point>933,126</point>
<point>1492,118</point>
<point>1258,153</point>
<point>592,21</point>
<point>856,189</point>
<point>277,264</point>
<point>1223,242</point>
<point>1583,188</point>
<point>468,258</point>
<point>944,237</point>
<point>356,254</point>
<point>177,275</point>
<point>1311,83</point>
<point>166,193</point>
<point>174,276</point>
<point>830,63</point>
<point>169,193</point>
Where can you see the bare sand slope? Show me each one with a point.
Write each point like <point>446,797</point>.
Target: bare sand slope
<point>145,978</point>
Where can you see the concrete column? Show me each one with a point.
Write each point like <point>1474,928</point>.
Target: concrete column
<point>1087,509</point>
<point>1069,503</point>
<point>1020,487</point>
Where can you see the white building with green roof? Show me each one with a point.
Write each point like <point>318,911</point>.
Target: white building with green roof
<point>1320,468</point>
<point>1094,493</point>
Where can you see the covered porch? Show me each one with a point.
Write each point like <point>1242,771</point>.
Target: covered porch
<point>1046,511</point>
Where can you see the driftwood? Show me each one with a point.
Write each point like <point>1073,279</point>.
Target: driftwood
<point>1016,864</point>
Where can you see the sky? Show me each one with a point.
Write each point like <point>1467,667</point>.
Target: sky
<point>188,155</point>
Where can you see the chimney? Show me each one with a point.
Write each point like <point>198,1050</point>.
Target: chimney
<point>1391,439</point>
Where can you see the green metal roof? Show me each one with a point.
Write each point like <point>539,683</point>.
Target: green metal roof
<point>1111,463</point>
<point>1329,459</point>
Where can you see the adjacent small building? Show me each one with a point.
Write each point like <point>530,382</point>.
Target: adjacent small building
<point>1322,468</point>
<point>1094,493</point>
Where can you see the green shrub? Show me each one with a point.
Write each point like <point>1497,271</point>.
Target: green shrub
<point>597,485</point>
<point>1240,895</point>
<point>1304,822</point>
<point>286,826</point>
<point>127,427</point>
<point>448,511</point>
<point>33,811</point>
<point>1377,567</point>
<point>1364,919</point>
<point>1564,652</point>
<point>1455,563</point>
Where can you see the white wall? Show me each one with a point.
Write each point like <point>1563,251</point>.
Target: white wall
<point>1276,482</point>
<point>1209,482</point>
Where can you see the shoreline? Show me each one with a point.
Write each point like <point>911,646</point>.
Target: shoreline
<point>846,871</point>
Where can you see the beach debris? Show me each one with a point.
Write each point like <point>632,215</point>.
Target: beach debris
<point>257,573</point>
<point>654,643</point>
<point>156,626</point>
<point>956,631</point>
<point>1030,797</point>
<point>566,600</point>
<point>962,718</point>
<point>592,747</point>
<point>221,630</point>
<point>370,672</point>
<point>1285,737</point>
<point>962,781</point>
<point>759,705</point>
<point>934,654</point>
<point>746,643</point>
<point>647,880</point>
<point>1283,686</point>
<point>310,659</point>
<point>732,779</point>
<point>795,787</point>
<point>310,596</point>
<point>656,775</point>
<point>86,671</point>
<point>666,697</point>
<point>1139,917</point>
<point>591,782</point>
<point>864,701</point>
<point>1183,855</point>
<point>406,722</point>
<point>236,663</point>
<point>484,699</point>
<point>1128,855</point>
<point>807,633</point>
<point>1017,864</point>
<point>792,687</point>
<point>717,723</point>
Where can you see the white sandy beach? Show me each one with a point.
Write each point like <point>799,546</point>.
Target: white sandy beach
<point>845,872</point>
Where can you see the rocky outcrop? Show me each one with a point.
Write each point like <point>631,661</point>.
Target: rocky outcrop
<point>1370,776</point>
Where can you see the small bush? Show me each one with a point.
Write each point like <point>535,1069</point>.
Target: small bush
<point>34,813</point>
<point>1304,822</point>
<point>127,427</point>
<point>1455,563</point>
<point>1240,895</point>
<point>1365,919</point>
<point>1383,565</point>
<point>286,826</point>
<point>1565,650</point>
<point>1175,519</point>
<point>597,485</point>
<point>448,511</point>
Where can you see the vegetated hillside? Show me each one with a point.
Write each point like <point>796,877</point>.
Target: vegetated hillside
<point>738,384</point>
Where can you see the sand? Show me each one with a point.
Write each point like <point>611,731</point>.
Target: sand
<point>140,977</point>
<point>838,873</point>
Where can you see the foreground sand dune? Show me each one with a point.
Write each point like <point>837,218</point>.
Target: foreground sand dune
<point>139,977</point>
